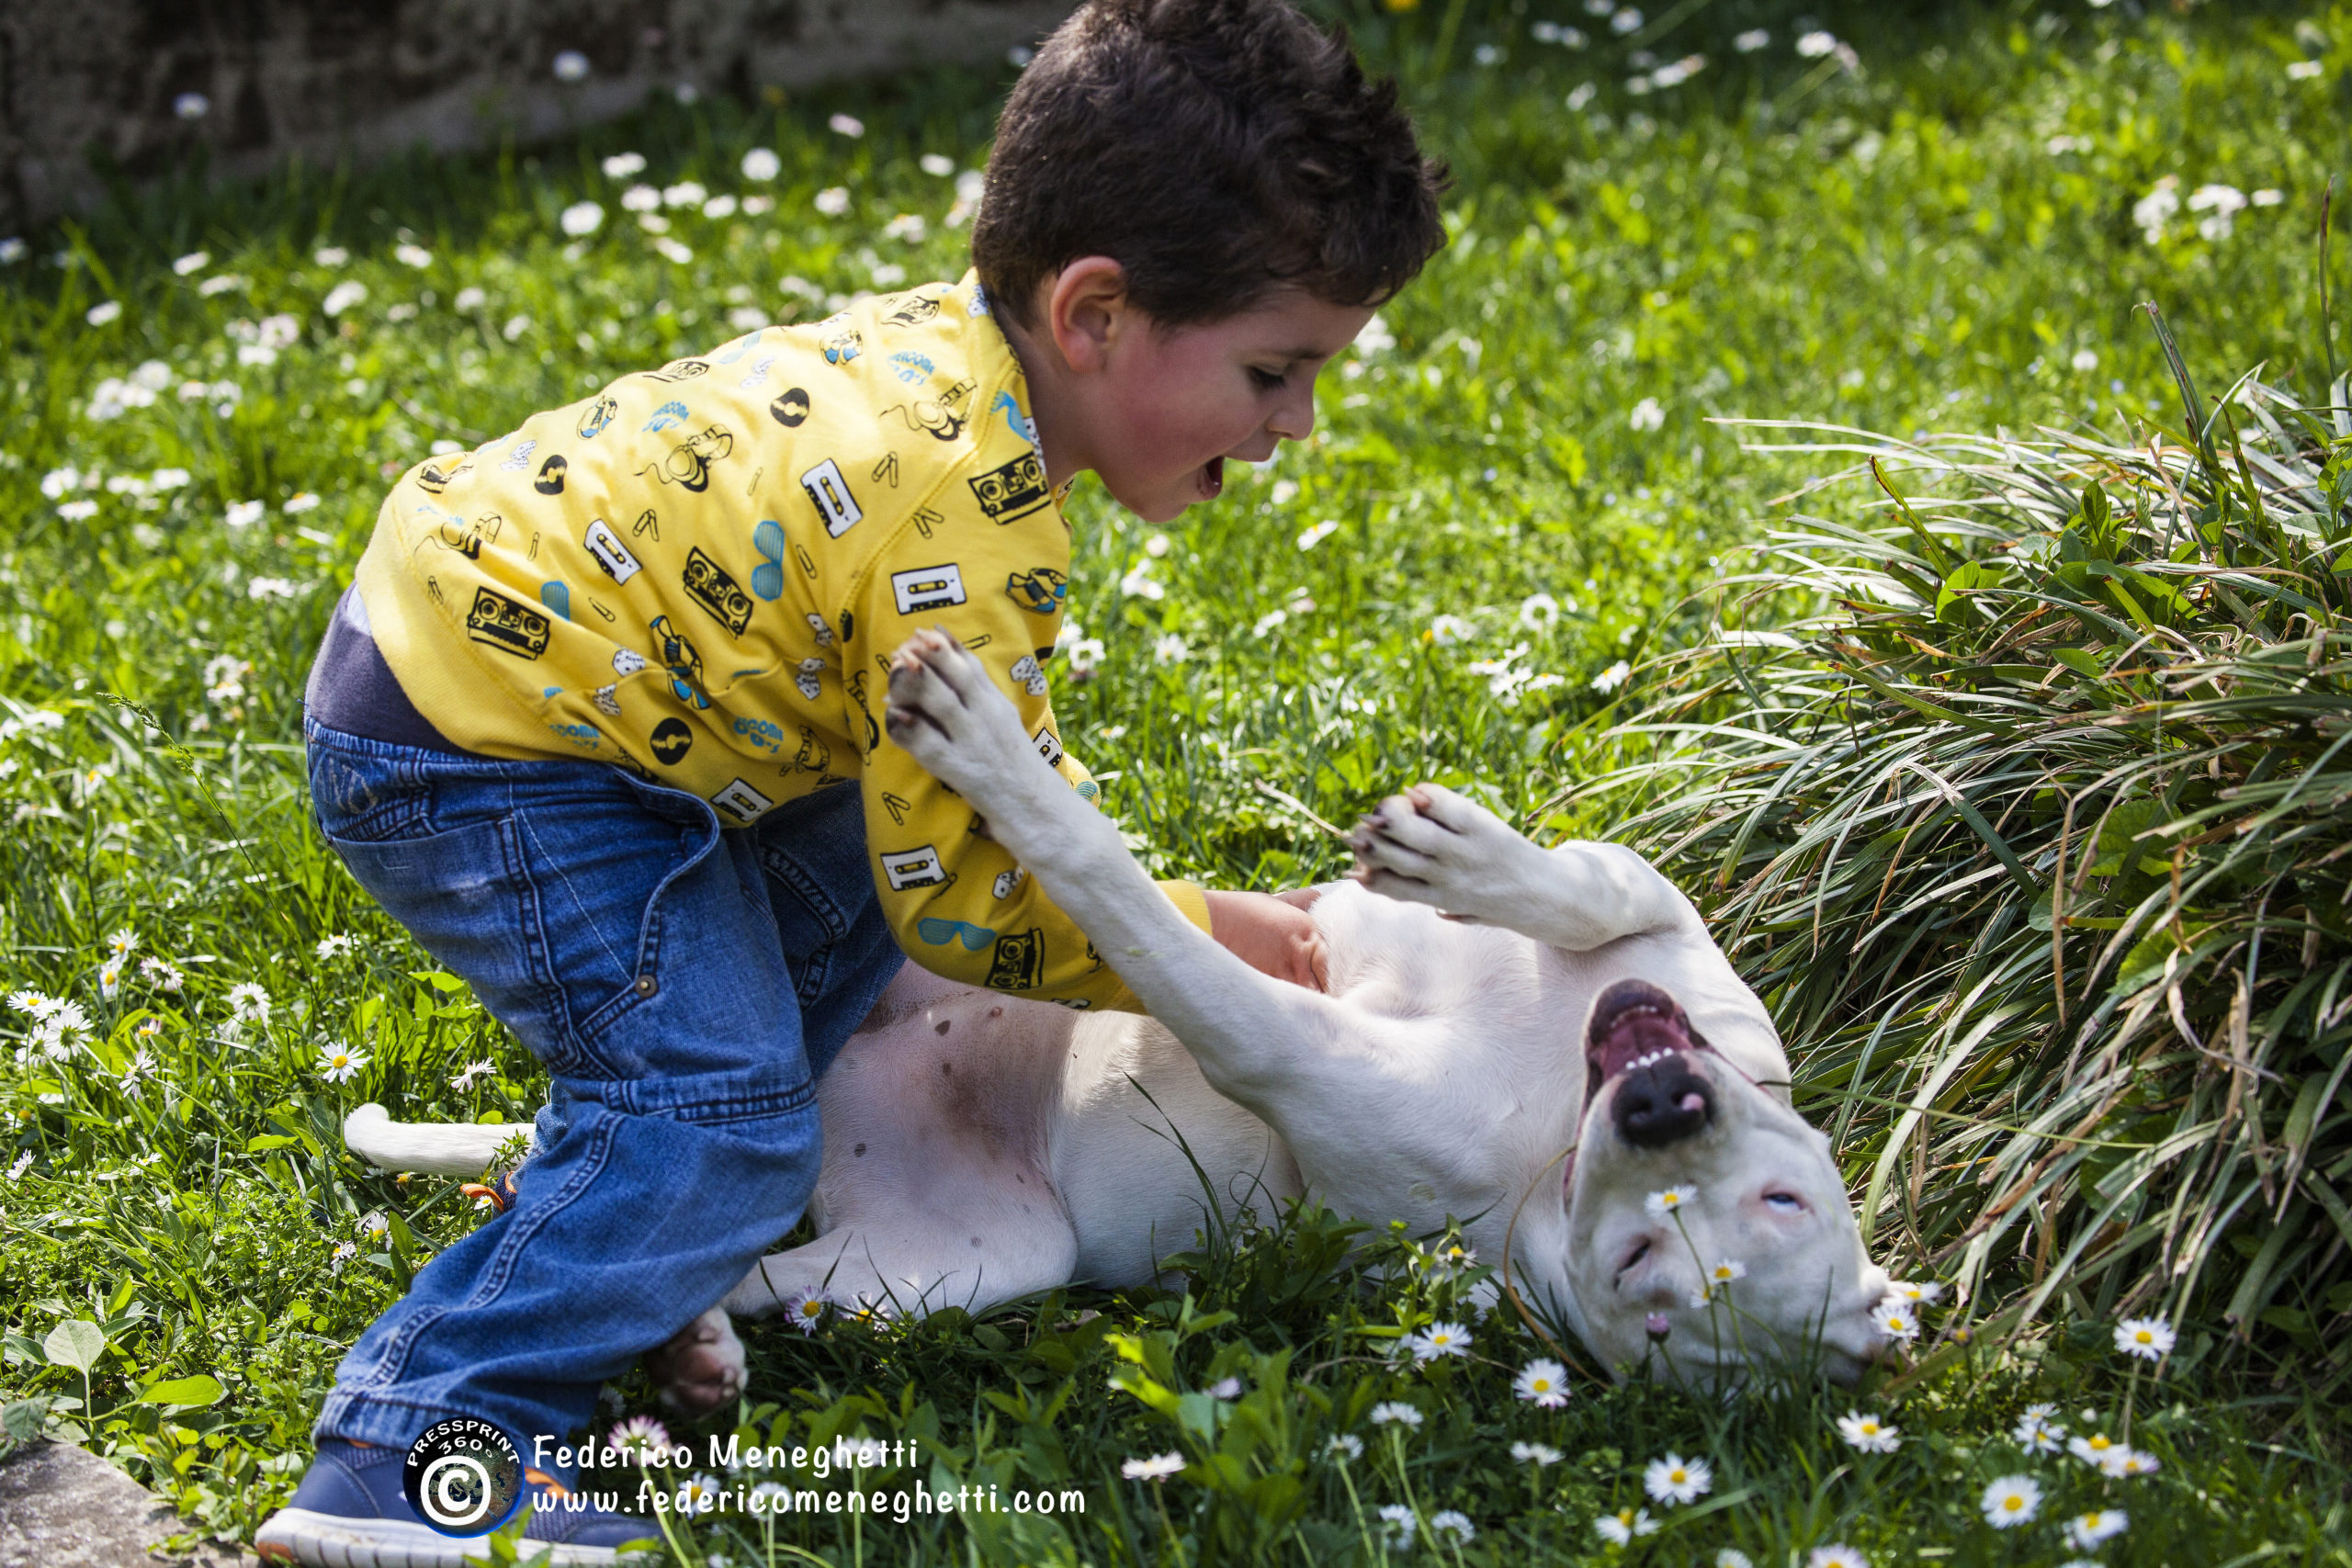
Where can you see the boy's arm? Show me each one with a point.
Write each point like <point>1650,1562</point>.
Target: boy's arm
<point>958,903</point>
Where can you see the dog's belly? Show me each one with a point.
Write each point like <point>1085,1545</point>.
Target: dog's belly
<point>1001,1112</point>
<point>1134,1117</point>
<point>943,1101</point>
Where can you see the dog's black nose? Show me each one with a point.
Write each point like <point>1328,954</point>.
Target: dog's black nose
<point>1662,1103</point>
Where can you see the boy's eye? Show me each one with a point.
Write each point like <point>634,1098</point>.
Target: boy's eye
<point>1266,380</point>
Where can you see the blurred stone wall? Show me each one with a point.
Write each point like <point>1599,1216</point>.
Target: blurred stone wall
<point>138,83</point>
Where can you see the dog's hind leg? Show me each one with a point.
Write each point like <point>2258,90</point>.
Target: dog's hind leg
<point>1432,846</point>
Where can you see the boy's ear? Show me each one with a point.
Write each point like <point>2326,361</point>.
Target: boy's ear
<point>1087,309</point>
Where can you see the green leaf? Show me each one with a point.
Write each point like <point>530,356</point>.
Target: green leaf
<point>200,1389</point>
<point>269,1141</point>
<point>76,1343</point>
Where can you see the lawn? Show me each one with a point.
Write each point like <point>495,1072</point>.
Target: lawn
<point>1490,567</point>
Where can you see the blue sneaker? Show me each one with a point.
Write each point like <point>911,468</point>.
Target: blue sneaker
<point>350,1512</point>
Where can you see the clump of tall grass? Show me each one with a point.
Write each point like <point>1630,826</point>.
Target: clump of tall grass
<point>2035,828</point>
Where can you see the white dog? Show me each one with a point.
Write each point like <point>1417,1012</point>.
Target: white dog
<point>1566,1003</point>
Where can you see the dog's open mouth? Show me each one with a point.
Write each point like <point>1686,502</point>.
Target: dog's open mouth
<point>1633,1024</point>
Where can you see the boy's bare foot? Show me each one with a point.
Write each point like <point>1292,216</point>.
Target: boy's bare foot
<point>700,1368</point>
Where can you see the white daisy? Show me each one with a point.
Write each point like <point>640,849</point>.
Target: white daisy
<point>1660,1205</point>
<point>463,1078</point>
<point>335,946</point>
<point>1403,1528</point>
<point>2095,1449</point>
<point>1395,1410</point>
<point>2012,1500</point>
<point>122,941</point>
<point>1869,1433</point>
<point>805,1308</point>
<point>2036,1432</point>
<point>641,1437</point>
<point>1677,1479</point>
<point>2126,1464</point>
<point>1837,1555</point>
<point>1915,1292</point>
<point>1543,1383</point>
<point>2150,1338</point>
<point>1896,1319</point>
<point>343,1253</point>
<point>697,1494</point>
<point>1159,1467</point>
<point>341,1064</point>
<point>248,1003</point>
<point>1346,1443</point>
<point>1537,1454</point>
<point>1440,1339</point>
<point>1453,1522</point>
<point>1733,1557</point>
<point>1620,1527</point>
<point>23,1162</point>
<point>1225,1387</point>
<point>2085,1532</point>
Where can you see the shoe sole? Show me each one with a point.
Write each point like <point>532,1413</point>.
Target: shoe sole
<point>328,1540</point>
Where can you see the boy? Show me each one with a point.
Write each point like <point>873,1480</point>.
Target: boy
<point>599,721</point>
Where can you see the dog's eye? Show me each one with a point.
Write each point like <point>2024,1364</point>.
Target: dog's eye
<point>1641,1250</point>
<point>1785,1203</point>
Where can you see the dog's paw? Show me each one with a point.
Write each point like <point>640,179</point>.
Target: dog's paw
<point>700,1368</point>
<point>950,716</point>
<point>1431,846</point>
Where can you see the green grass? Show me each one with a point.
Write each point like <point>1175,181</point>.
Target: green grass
<point>1899,250</point>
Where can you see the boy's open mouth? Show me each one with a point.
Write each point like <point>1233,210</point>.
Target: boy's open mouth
<point>1212,483</point>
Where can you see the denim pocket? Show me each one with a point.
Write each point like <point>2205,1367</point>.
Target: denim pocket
<point>602,877</point>
<point>358,799</point>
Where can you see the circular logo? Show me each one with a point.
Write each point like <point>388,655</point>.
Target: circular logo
<point>463,1476</point>
<point>669,740</point>
<point>790,409</point>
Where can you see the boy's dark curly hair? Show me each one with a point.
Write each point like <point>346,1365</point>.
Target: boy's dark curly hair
<point>1217,150</point>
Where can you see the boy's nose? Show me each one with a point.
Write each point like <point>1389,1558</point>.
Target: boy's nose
<point>1295,419</point>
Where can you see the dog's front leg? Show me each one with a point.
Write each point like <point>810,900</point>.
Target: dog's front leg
<point>1250,1033</point>
<point>1432,846</point>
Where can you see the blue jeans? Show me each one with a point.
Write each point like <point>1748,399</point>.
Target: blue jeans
<point>684,984</point>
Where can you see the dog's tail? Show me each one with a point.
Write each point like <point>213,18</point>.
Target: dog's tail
<point>433,1148</point>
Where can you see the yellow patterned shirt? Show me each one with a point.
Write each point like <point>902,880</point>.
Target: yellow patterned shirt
<point>699,573</point>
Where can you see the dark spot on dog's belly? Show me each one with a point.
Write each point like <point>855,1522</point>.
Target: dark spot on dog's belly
<point>946,1066</point>
<point>976,1241</point>
<point>995,1012</point>
<point>860,1150</point>
<point>1021,1178</point>
<point>944,1025</point>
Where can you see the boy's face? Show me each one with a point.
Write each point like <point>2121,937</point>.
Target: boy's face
<point>1170,404</point>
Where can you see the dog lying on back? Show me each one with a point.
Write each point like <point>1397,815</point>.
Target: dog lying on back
<point>978,1147</point>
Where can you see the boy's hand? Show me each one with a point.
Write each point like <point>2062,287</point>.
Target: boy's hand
<point>1272,935</point>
